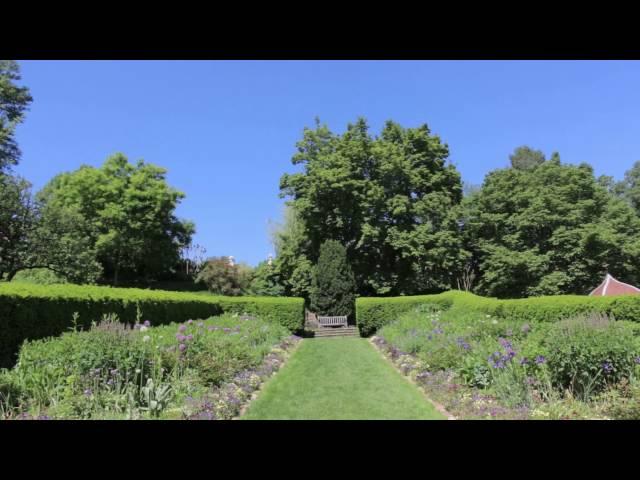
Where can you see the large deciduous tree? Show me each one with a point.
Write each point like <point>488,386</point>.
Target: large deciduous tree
<point>629,187</point>
<point>129,213</point>
<point>549,229</point>
<point>387,200</point>
<point>14,101</point>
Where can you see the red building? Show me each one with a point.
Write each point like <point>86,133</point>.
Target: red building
<point>610,286</point>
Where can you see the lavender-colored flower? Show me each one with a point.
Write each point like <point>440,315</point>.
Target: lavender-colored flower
<point>637,360</point>
<point>524,361</point>
<point>607,367</point>
<point>540,360</point>
<point>189,337</point>
<point>147,323</point>
<point>182,347</point>
<point>182,328</point>
<point>88,392</point>
<point>189,321</point>
<point>505,343</point>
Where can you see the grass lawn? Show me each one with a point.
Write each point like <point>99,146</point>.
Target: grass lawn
<point>339,378</point>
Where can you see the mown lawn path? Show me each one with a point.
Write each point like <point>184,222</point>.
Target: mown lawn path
<point>341,379</point>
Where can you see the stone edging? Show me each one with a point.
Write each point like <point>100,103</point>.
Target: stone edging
<point>440,408</point>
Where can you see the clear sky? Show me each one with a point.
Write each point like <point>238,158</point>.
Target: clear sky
<point>226,130</point>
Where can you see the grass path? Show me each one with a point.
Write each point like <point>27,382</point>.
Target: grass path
<point>339,378</point>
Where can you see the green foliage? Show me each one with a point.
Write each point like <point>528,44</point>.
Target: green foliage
<point>525,158</point>
<point>38,276</point>
<point>14,101</point>
<point>333,286</point>
<point>374,312</point>
<point>223,277</point>
<point>629,187</point>
<point>114,371</point>
<point>588,353</point>
<point>37,311</point>
<point>387,199</point>
<point>128,216</point>
<point>266,281</point>
<point>552,229</point>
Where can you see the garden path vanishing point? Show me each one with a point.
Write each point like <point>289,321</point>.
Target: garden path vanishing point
<point>340,379</point>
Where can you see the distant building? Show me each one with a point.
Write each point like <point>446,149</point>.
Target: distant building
<point>610,286</point>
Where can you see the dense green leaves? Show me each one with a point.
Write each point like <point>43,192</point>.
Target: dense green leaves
<point>549,229</point>
<point>128,213</point>
<point>387,199</point>
<point>14,101</point>
<point>333,285</point>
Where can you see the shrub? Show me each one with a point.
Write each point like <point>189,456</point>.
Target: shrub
<point>333,285</point>
<point>37,311</point>
<point>589,353</point>
<point>374,312</point>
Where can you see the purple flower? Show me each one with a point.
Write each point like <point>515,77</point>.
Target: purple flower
<point>540,360</point>
<point>607,367</point>
<point>189,321</point>
<point>182,328</point>
<point>524,361</point>
<point>180,337</point>
<point>147,323</point>
<point>637,360</point>
<point>88,392</point>
<point>182,347</point>
<point>189,337</point>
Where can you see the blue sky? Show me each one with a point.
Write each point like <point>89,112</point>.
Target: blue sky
<point>226,130</point>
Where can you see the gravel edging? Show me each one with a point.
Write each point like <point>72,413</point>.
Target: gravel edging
<point>440,408</point>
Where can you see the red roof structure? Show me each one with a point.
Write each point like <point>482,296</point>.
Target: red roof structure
<point>610,286</point>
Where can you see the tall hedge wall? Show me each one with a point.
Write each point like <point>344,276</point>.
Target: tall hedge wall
<point>374,312</point>
<point>37,311</point>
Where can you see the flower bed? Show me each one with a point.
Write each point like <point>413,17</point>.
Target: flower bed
<point>116,372</point>
<point>231,399</point>
<point>480,366</point>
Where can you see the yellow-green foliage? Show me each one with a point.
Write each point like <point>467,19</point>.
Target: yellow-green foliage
<point>37,311</point>
<point>374,312</point>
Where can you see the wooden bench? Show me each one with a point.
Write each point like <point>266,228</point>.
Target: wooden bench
<point>332,321</point>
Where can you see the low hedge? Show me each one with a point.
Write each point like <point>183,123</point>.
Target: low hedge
<point>37,311</point>
<point>374,312</point>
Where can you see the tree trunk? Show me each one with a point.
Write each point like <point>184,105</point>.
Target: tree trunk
<point>11,274</point>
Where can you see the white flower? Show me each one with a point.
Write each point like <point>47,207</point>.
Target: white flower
<point>143,328</point>
<point>495,322</point>
<point>137,370</point>
<point>146,338</point>
<point>488,316</point>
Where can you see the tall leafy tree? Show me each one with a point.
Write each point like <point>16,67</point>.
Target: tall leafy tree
<point>129,213</point>
<point>387,200</point>
<point>14,101</point>
<point>333,287</point>
<point>33,236</point>
<point>266,281</point>
<point>549,230</point>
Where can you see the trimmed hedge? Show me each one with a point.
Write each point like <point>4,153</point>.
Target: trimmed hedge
<point>37,311</point>
<point>374,312</point>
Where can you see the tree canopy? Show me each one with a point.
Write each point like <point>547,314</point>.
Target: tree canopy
<point>549,230</point>
<point>14,101</point>
<point>387,199</point>
<point>129,216</point>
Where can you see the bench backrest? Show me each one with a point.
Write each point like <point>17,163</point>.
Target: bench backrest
<point>332,320</point>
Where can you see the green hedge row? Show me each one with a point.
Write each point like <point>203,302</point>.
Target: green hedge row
<point>38,311</point>
<point>374,312</point>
